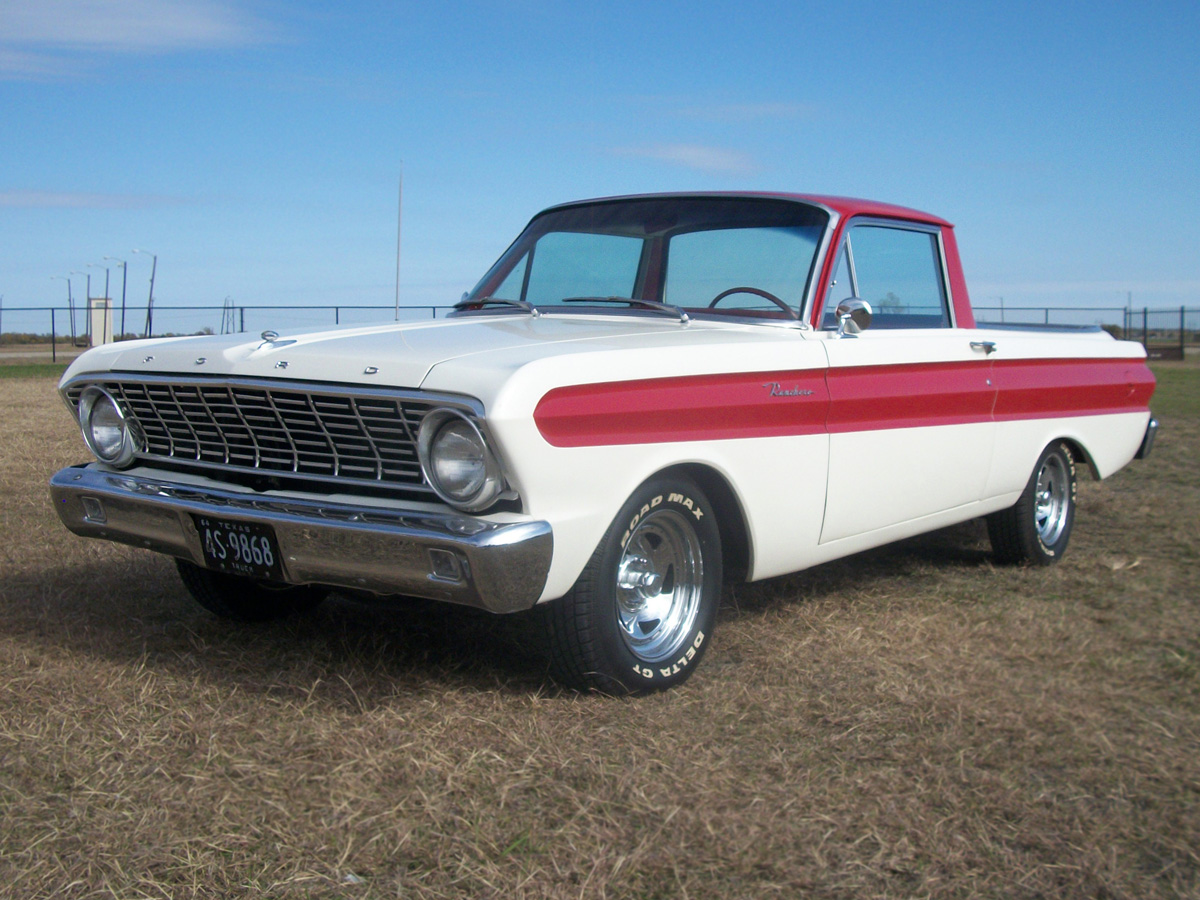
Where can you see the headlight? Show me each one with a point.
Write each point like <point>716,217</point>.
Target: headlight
<point>105,429</point>
<point>457,462</point>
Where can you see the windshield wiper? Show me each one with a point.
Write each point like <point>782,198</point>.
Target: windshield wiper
<point>497,301</point>
<point>665,308</point>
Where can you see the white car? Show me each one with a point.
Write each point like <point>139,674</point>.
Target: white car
<point>643,397</point>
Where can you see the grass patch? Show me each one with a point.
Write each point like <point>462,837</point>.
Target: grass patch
<point>31,370</point>
<point>910,722</point>
<point>1177,394</point>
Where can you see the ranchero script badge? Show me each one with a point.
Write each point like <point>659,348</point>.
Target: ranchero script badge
<point>778,391</point>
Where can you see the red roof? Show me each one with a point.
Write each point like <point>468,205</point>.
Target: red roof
<point>852,206</point>
<point>844,206</point>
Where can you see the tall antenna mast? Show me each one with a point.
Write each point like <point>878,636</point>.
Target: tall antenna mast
<point>399,213</point>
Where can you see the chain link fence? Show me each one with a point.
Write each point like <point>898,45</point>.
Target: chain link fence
<point>1166,333</point>
<point>59,330</point>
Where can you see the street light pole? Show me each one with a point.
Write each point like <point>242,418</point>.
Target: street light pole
<point>124,279</point>
<point>87,305</point>
<point>70,303</point>
<point>150,302</point>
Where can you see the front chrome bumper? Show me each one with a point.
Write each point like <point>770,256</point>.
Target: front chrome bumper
<point>500,567</point>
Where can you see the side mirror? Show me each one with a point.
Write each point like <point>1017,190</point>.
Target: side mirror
<point>853,316</point>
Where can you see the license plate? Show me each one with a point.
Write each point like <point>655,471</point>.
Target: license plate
<point>239,548</point>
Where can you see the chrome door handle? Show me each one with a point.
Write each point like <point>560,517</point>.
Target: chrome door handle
<point>988,347</point>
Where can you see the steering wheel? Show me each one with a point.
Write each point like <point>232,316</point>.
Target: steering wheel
<point>759,292</point>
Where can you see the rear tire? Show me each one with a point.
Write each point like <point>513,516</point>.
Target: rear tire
<point>1038,527</point>
<point>642,612</point>
<point>245,600</point>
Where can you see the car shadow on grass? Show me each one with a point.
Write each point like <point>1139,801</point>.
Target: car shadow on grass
<point>963,547</point>
<point>134,610</point>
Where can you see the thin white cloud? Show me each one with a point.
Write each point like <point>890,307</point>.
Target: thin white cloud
<point>713,160</point>
<point>44,38</point>
<point>82,200</point>
<point>29,65</point>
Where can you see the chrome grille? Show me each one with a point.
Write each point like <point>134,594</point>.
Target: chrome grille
<point>304,431</point>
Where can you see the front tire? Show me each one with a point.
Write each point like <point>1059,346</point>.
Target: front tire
<point>245,600</point>
<point>642,612</point>
<point>1037,528</point>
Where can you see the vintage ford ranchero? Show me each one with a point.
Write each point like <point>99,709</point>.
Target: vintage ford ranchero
<point>643,396</point>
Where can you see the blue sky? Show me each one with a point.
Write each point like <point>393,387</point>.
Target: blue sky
<point>255,145</point>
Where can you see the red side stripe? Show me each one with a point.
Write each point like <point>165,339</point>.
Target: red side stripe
<point>768,404</point>
<point>1043,388</point>
<point>873,398</point>
<point>693,408</point>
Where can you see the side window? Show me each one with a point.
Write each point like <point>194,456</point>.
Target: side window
<point>840,287</point>
<point>510,288</point>
<point>898,271</point>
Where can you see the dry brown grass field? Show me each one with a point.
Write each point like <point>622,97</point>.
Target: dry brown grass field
<point>910,722</point>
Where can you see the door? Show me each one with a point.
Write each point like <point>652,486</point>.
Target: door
<point>911,398</point>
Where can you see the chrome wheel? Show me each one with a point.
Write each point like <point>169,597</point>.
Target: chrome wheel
<point>641,615</point>
<point>660,580</point>
<point>1037,528</point>
<point>1052,498</point>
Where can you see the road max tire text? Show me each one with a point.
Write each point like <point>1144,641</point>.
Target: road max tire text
<point>686,502</point>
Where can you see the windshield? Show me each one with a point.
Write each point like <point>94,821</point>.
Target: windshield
<point>704,254</point>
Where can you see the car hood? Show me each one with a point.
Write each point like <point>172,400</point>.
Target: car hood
<point>395,354</point>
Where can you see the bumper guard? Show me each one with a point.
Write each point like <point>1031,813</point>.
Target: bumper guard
<point>1147,439</point>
